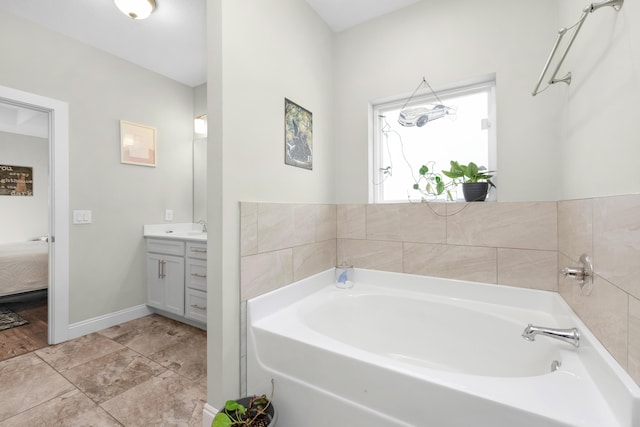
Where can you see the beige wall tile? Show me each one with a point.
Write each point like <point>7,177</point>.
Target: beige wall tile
<point>452,262</point>
<point>275,226</point>
<point>616,241</point>
<point>384,222</point>
<point>575,228</point>
<point>526,225</point>
<point>265,272</point>
<point>304,224</point>
<point>634,339</point>
<point>351,222</point>
<point>407,222</point>
<point>377,255</point>
<point>526,268</point>
<point>248,228</point>
<point>326,222</point>
<point>313,258</point>
<point>568,288</point>
<point>605,312</point>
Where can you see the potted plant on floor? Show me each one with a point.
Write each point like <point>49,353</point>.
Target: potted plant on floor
<point>252,411</point>
<point>475,180</point>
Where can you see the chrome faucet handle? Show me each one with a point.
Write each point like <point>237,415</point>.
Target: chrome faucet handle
<point>583,274</point>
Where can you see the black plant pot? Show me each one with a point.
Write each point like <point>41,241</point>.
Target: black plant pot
<point>475,191</point>
<point>271,412</point>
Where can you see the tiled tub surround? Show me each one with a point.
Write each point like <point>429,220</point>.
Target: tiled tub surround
<point>283,243</point>
<point>516,244</point>
<point>608,229</point>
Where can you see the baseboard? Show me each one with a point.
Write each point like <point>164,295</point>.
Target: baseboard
<point>108,320</point>
<point>208,412</point>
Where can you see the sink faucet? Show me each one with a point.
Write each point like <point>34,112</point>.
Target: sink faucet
<point>204,225</point>
<point>571,336</point>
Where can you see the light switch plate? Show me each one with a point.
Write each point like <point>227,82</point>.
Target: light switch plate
<point>82,217</point>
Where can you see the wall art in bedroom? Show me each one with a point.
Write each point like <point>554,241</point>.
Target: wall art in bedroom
<point>16,180</point>
<point>298,135</point>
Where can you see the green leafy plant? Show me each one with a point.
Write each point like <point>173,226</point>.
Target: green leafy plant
<point>237,415</point>
<point>431,184</point>
<point>257,412</point>
<point>469,173</point>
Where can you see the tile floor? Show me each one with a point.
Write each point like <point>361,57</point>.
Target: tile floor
<point>147,372</point>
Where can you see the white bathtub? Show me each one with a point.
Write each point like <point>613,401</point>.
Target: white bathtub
<point>403,350</point>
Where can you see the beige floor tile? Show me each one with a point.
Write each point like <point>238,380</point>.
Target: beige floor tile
<point>187,358</point>
<point>71,409</point>
<point>166,400</point>
<point>26,381</point>
<point>106,377</point>
<point>149,334</point>
<point>78,351</point>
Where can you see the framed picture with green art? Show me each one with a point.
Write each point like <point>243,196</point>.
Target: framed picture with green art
<point>298,135</point>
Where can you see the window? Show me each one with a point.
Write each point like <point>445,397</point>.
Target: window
<point>399,152</point>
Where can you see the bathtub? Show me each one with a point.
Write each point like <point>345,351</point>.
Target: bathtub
<point>404,350</point>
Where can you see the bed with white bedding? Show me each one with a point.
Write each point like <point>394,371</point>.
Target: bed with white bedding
<point>24,267</point>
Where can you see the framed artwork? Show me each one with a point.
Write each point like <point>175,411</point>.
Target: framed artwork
<point>137,144</point>
<point>16,180</point>
<point>298,135</point>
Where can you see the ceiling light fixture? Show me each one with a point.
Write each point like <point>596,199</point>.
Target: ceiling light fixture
<point>136,9</point>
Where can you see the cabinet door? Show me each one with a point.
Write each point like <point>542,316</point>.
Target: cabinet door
<point>165,283</point>
<point>155,281</point>
<point>174,284</point>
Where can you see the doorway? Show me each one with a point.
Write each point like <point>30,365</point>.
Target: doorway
<point>58,204</point>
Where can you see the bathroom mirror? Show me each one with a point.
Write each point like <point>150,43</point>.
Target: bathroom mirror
<point>199,179</point>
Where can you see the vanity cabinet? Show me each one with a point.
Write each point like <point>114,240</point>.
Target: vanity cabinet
<point>195,292</point>
<point>177,277</point>
<point>165,275</point>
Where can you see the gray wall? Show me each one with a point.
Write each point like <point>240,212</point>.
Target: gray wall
<point>258,55</point>
<point>449,42</point>
<point>107,269</point>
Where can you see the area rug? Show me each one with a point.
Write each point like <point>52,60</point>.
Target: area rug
<point>10,319</point>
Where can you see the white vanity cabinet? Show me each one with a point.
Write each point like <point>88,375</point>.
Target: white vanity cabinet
<point>195,292</point>
<point>177,276</point>
<point>165,275</point>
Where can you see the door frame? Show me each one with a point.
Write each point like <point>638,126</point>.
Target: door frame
<point>58,294</point>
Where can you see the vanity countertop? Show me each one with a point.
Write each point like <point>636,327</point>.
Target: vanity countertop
<point>184,231</point>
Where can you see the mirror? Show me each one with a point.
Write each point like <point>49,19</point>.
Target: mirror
<point>199,179</point>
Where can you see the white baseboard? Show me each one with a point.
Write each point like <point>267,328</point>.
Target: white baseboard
<point>208,412</point>
<point>108,320</point>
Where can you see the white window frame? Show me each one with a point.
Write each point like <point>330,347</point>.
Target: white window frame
<point>378,108</point>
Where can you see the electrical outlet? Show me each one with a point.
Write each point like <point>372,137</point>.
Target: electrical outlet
<point>168,215</point>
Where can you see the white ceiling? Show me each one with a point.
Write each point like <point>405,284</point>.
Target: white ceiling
<point>172,41</point>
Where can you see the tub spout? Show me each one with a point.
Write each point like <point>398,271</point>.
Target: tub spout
<point>571,336</point>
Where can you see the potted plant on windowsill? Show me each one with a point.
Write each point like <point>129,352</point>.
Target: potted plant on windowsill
<point>252,411</point>
<point>475,180</point>
<point>431,185</point>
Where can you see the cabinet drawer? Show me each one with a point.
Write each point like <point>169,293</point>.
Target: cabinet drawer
<point>197,250</point>
<point>169,247</point>
<point>196,305</point>
<point>196,274</point>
